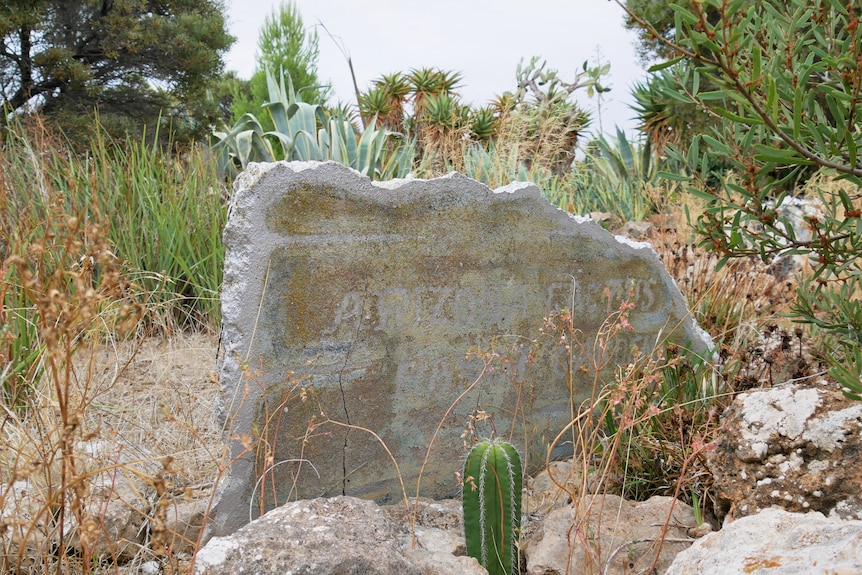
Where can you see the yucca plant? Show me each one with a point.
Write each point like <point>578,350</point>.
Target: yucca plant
<point>618,177</point>
<point>492,505</point>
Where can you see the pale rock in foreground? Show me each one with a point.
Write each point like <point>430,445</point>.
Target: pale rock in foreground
<point>776,541</point>
<point>791,446</point>
<point>311,537</point>
<point>611,536</point>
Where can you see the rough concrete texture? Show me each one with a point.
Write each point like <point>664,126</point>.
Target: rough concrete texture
<point>793,447</point>
<point>358,302</point>
<point>605,534</point>
<point>776,541</point>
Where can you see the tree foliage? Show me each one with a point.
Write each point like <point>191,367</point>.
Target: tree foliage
<point>655,42</point>
<point>664,118</point>
<point>130,58</point>
<point>285,44</point>
<point>787,77</point>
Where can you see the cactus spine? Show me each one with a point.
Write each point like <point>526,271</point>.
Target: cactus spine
<point>492,505</point>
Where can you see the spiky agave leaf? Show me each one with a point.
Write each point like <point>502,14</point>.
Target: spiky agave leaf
<point>483,124</point>
<point>311,132</point>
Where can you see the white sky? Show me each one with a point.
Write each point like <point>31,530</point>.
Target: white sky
<point>483,40</point>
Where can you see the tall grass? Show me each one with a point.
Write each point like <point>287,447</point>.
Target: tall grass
<point>163,212</point>
<point>99,240</point>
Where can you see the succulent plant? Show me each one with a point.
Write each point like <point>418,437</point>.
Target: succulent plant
<point>305,132</point>
<point>492,505</point>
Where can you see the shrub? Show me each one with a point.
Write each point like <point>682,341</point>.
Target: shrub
<point>787,77</point>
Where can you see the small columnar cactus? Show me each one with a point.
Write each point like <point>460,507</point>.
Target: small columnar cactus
<point>492,505</point>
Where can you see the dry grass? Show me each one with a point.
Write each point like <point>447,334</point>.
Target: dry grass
<point>146,449</point>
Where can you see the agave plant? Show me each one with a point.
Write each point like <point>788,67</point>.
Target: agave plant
<point>306,131</point>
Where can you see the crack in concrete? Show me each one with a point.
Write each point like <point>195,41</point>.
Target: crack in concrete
<point>344,472</point>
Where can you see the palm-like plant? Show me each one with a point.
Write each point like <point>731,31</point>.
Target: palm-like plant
<point>441,130</point>
<point>431,82</point>
<point>376,103</point>
<point>386,99</point>
<point>483,124</point>
<point>662,116</point>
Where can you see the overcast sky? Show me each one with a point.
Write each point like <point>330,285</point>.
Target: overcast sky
<point>483,40</point>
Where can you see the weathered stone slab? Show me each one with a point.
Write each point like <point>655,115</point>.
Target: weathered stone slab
<point>361,300</point>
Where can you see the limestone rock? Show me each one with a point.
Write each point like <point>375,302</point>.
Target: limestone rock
<point>792,447</point>
<point>437,528</point>
<point>26,530</point>
<point>636,230</point>
<point>339,535</point>
<point>543,493</point>
<point>444,514</point>
<point>611,536</point>
<point>117,509</point>
<point>184,521</point>
<point>604,219</point>
<point>776,541</point>
<point>346,300</point>
<point>431,563</point>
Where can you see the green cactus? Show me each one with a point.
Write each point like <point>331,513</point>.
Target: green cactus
<point>492,505</point>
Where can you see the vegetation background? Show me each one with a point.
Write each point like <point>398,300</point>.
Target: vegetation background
<point>121,134</point>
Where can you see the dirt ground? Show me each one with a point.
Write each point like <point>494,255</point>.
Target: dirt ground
<point>156,397</point>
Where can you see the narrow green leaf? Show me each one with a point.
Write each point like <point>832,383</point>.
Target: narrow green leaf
<point>667,64</point>
<point>719,147</point>
<point>674,177</point>
<point>676,95</point>
<point>698,193</point>
<point>682,15</point>
<point>771,97</point>
<point>846,202</point>
<point>751,121</point>
<point>756,63</point>
<point>839,120</point>
<point>780,154</point>
<point>712,95</point>
<point>694,151</point>
<point>851,150</point>
<point>798,97</point>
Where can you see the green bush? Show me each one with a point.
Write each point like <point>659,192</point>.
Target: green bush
<point>787,79</point>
